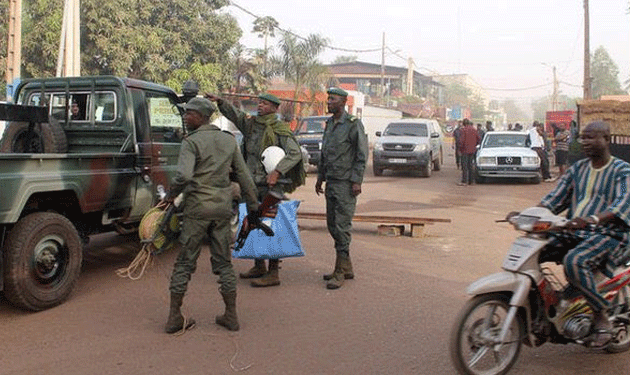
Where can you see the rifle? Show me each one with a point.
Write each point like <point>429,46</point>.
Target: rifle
<point>266,209</point>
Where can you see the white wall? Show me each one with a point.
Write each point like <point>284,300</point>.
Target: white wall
<point>376,119</point>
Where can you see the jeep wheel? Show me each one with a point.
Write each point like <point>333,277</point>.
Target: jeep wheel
<point>42,261</point>
<point>46,138</point>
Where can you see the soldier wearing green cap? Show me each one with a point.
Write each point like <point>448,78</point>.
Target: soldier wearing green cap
<point>341,166</point>
<point>206,157</point>
<point>260,132</point>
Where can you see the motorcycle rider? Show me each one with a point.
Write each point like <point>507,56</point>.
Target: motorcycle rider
<point>595,193</point>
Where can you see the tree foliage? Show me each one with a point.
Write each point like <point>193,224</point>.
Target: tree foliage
<point>605,74</point>
<point>167,41</point>
<point>513,111</point>
<point>345,59</point>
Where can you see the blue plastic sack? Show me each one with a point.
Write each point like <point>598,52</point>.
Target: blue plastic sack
<point>283,244</point>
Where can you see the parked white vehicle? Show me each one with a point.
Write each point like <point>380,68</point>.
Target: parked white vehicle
<point>506,154</point>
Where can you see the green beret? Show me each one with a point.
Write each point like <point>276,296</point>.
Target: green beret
<point>337,91</point>
<point>270,98</point>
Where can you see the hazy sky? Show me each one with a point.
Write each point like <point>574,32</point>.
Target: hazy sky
<point>504,45</point>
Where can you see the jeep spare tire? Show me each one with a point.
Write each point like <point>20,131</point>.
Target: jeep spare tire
<point>46,138</point>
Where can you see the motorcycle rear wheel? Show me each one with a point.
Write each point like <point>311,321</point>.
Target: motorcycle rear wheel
<point>473,338</point>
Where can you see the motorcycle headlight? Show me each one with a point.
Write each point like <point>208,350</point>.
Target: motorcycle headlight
<point>421,147</point>
<point>486,160</point>
<point>378,147</point>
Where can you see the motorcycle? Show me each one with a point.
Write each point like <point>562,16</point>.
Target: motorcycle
<point>531,303</point>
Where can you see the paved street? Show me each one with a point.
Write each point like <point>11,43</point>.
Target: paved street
<point>394,318</point>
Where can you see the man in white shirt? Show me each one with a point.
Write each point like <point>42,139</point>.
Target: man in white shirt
<point>537,143</point>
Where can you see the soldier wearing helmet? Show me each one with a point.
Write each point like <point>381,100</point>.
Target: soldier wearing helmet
<point>259,133</point>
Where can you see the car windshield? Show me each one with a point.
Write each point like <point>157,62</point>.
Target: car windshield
<point>505,140</point>
<point>413,130</point>
<point>312,125</point>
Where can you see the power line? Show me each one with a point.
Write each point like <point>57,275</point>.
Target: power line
<point>519,89</point>
<point>303,38</point>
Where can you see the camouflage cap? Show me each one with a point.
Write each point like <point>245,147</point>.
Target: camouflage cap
<point>201,105</point>
<point>270,98</point>
<point>337,91</point>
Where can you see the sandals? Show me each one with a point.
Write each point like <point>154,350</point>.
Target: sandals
<point>601,338</point>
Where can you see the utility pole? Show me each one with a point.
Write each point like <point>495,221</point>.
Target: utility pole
<point>587,55</point>
<point>69,58</point>
<point>554,97</point>
<point>383,68</point>
<point>410,76</point>
<point>14,45</point>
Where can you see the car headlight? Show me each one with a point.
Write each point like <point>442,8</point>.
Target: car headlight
<point>530,160</point>
<point>378,147</point>
<point>486,160</point>
<point>421,147</point>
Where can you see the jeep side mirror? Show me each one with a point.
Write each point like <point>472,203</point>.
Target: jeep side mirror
<point>435,135</point>
<point>378,134</point>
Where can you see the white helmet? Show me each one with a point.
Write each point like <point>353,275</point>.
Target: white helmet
<point>270,158</point>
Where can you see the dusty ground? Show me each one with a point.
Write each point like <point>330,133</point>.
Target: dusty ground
<point>394,318</point>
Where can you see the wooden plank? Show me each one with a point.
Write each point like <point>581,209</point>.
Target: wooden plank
<point>377,219</point>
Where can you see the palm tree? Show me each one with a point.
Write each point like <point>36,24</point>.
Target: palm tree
<point>265,27</point>
<point>297,62</point>
<point>246,70</point>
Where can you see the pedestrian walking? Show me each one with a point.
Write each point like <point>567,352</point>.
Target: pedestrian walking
<point>260,132</point>
<point>206,159</point>
<point>341,166</point>
<point>562,147</point>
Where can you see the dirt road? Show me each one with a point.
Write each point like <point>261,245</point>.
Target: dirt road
<point>394,318</point>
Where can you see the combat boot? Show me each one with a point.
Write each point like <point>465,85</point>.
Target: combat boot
<point>229,319</point>
<point>175,322</point>
<point>338,276</point>
<point>271,278</point>
<point>259,270</point>
<point>348,273</point>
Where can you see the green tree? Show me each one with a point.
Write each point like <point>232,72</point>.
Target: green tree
<point>297,62</point>
<point>265,27</point>
<point>605,74</point>
<point>4,28</point>
<point>513,111</point>
<point>345,59</point>
<point>167,42</point>
<point>247,73</point>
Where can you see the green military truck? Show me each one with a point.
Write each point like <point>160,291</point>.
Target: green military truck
<point>78,156</point>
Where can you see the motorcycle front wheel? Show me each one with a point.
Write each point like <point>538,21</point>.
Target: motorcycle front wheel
<point>474,345</point>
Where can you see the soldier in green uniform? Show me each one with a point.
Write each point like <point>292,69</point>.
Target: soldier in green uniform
<point>206,158</point>
<point>342,163</point>
<point>260,132</point>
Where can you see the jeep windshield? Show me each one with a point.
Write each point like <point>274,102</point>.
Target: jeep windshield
<point>312,125</point>
<point>505,140</point>
<point>407,129</point>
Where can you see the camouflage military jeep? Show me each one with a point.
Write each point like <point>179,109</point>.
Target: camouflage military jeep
<point>79,156</point>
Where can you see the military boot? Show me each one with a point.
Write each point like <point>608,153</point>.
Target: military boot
<point>175,322</point>
<point>229,319</point>
<point>257,271</point>
<point>271,278</point>
<point>347,272</point>
<point>338,276</point>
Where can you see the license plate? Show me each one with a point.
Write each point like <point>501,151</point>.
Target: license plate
<point>398,161</point>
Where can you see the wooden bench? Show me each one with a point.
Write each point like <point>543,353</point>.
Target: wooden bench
<point>416,223</point>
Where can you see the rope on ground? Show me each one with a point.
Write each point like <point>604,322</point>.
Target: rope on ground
<point>136,268</point>
<point>236,352</point>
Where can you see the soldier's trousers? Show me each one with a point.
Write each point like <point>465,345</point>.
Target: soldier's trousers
<point>194,231</point>
<point>340,206</point>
